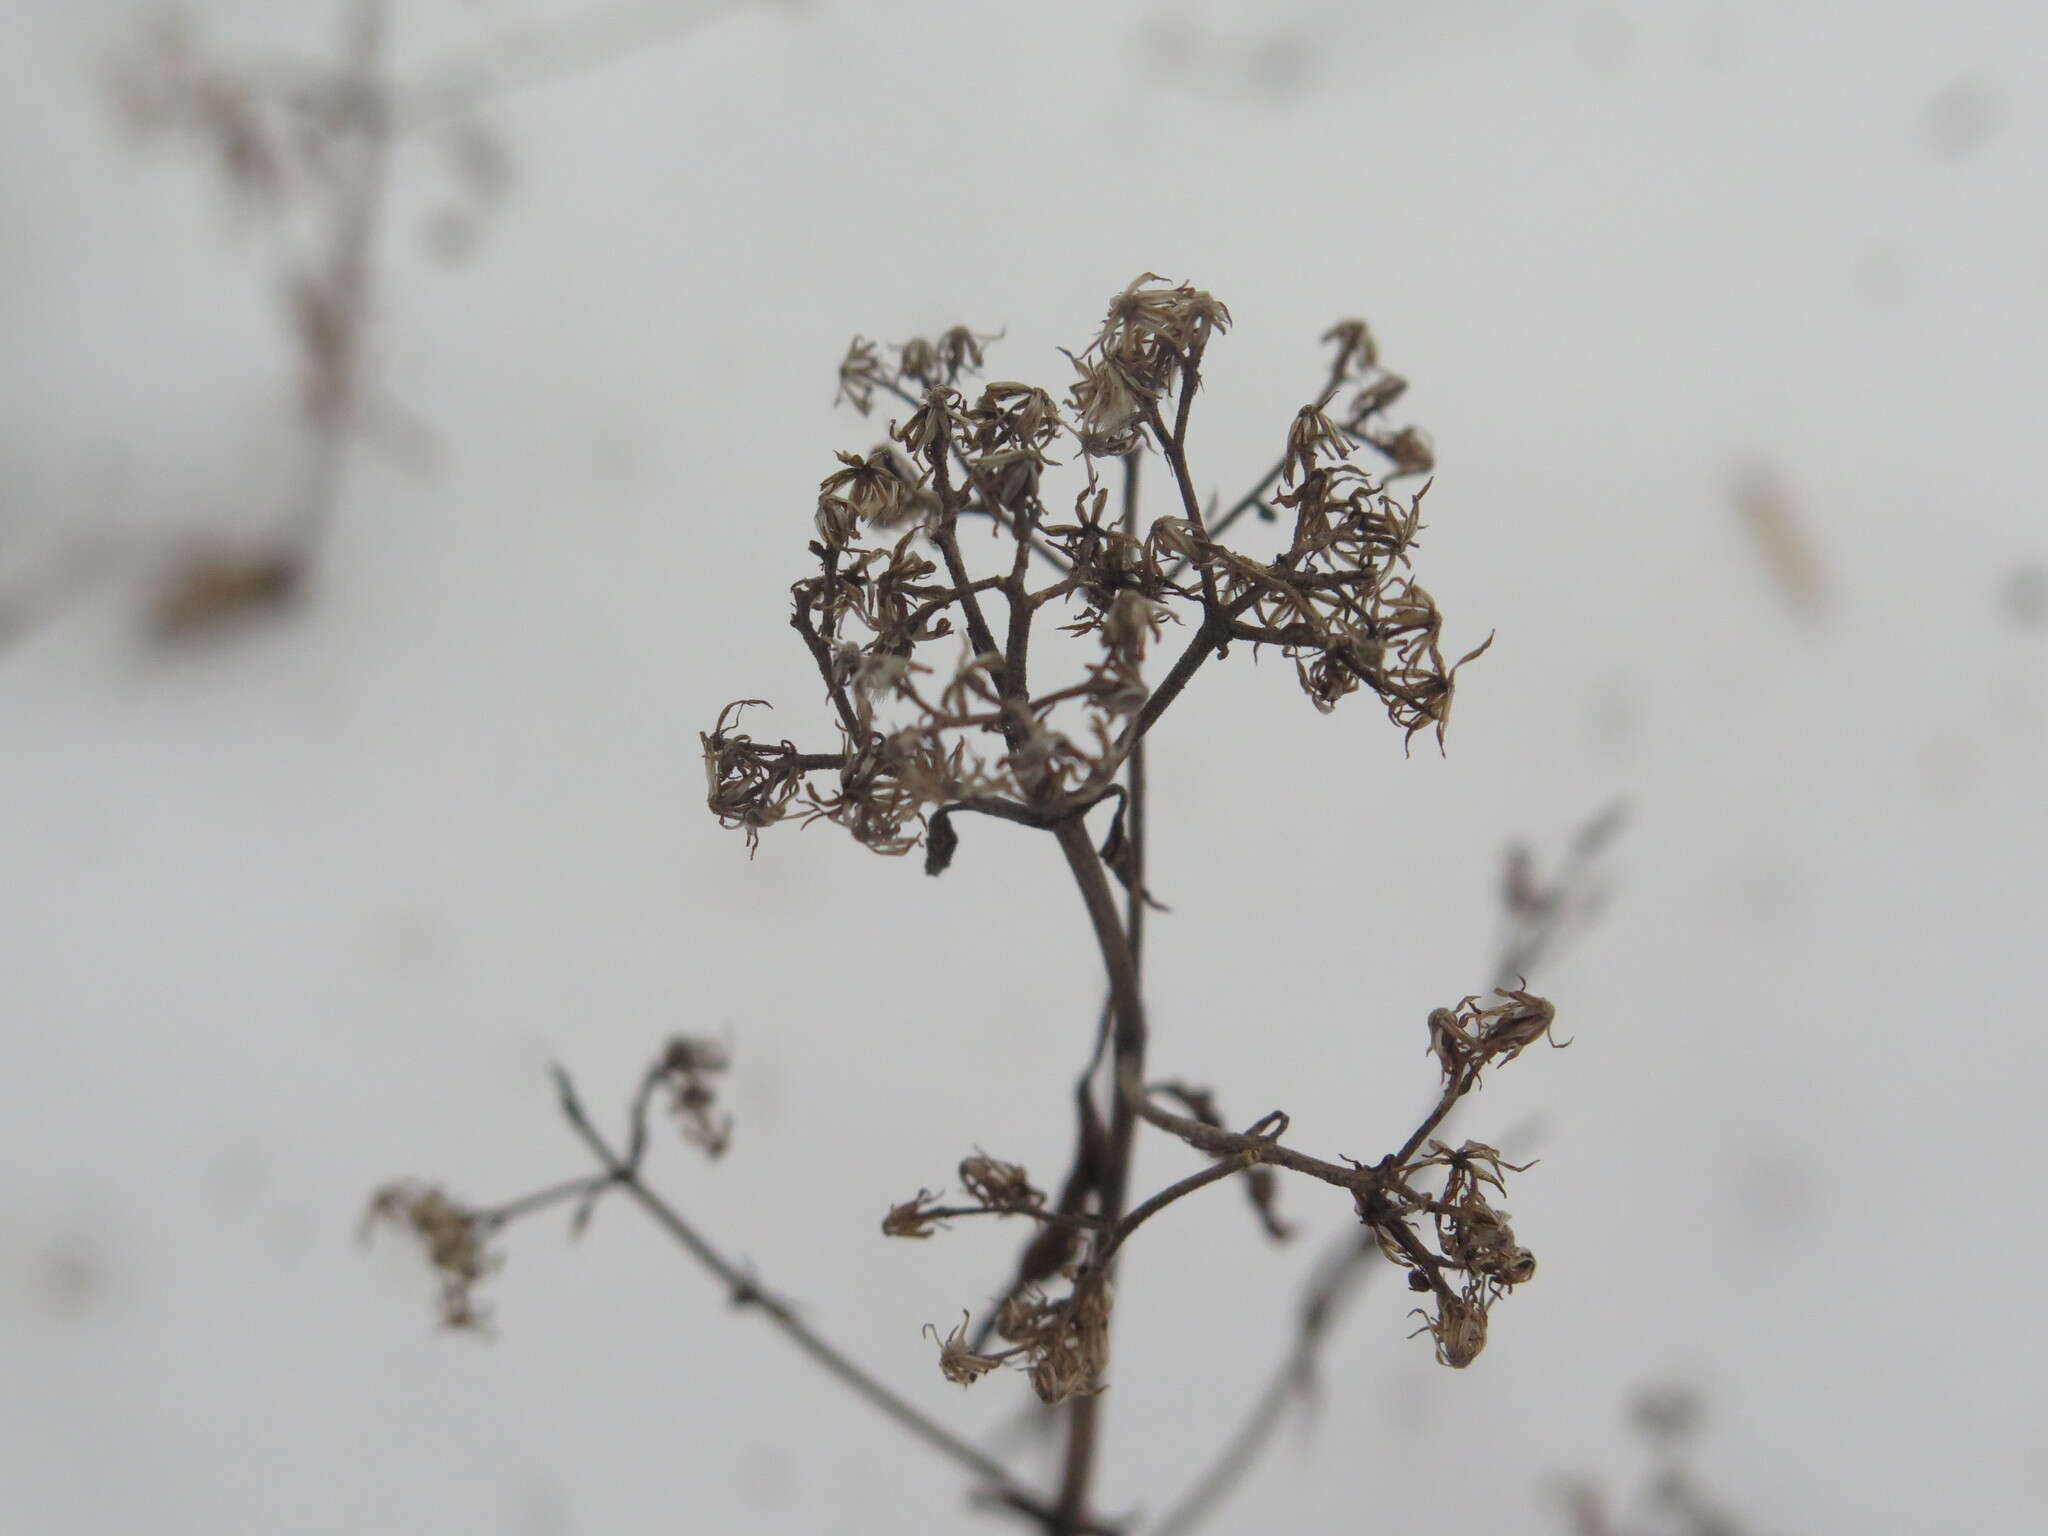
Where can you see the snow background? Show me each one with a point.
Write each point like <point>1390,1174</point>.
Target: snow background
<point>313,905</point>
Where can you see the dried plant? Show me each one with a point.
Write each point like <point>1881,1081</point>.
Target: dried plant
<point>982,643</point>
<point>305,148</point>
<point>303,151</point>
<point>1672,1500</point>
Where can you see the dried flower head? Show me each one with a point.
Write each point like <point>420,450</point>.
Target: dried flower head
<point>1357,353</point>
<point>1467,1038</point>
<point>1458,1329</point>
<point>1069,1353</point>
<point>957,1360</point>
<point>1505,1030</point>
<point>751,783</point>
<point>913,1218</point>
<point>1024,1315</point>
<point>998,1185</point>
<point>1471,1164</point>
<point>942,699</point>
<point>1477,1238</point>
<point>453,1238</point>
<point>685,1069</point>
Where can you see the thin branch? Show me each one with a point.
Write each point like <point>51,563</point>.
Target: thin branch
<point>1103,1154</point>
<point>947,537</point>
<point>746,1291</point>
<point>1540,917</point>
<point>1127,1058</point>
<point>541,1199</point>
<point>1134,867</point>
<point>1078,1221</point>
<point>1213,631</point>
<point>1202,1178</point>
<point>821,653</point>
<point>991,502</point>
<point>1335,1277</point>
<point>1174,447</point>
<point>1460,1085</point>
<point>1253,497</point>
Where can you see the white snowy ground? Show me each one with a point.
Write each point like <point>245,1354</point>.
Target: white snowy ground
<point>292,913</point>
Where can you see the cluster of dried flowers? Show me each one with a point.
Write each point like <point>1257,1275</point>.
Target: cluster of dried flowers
<point>452,1236</point>
<point>1061,1342</point>
<point>985,653</point>
<point>1476,1261</point>
<point>456,1238</point>
<point>928,661</point>
<point>932,682</point>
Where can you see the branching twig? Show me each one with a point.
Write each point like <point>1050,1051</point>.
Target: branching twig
<point>1539,916</point>
<point>921,742</point>
<point>746,1291</point>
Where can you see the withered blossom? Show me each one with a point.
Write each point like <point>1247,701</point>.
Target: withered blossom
<point>928,661</point>
<point>1469,1037</point>
<point>1459,1330</point>
<point>1069,1351</point>
<point>998,1185</point>
<point>957,1361</point>
<point>912,1218</point>
<point>685,1069</point>
<point>453,1238</point>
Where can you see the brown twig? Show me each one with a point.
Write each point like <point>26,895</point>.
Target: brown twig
<point>747,1291</point>
<point>1539,917</point>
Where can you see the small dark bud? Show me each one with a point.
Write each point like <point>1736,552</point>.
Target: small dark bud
<point>941,842</point>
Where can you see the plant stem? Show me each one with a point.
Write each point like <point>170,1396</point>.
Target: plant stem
<point>1127,1062</point>
<point>746,1291</point>
<point>581,1188</point>
<point>1084,1415</point>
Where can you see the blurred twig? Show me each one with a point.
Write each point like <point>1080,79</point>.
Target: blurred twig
<point>1540,915</point>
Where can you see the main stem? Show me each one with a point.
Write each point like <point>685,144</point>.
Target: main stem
<point>1084,1414</point>
<point>1127,1064</point>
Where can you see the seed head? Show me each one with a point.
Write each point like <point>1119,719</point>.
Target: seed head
<point>957,1361</point>
<point>1459,1330</point>
<point>913,1218</point>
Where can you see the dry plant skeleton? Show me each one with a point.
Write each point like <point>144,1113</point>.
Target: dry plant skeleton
<point>305,150</point>
<point>981,642</point>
